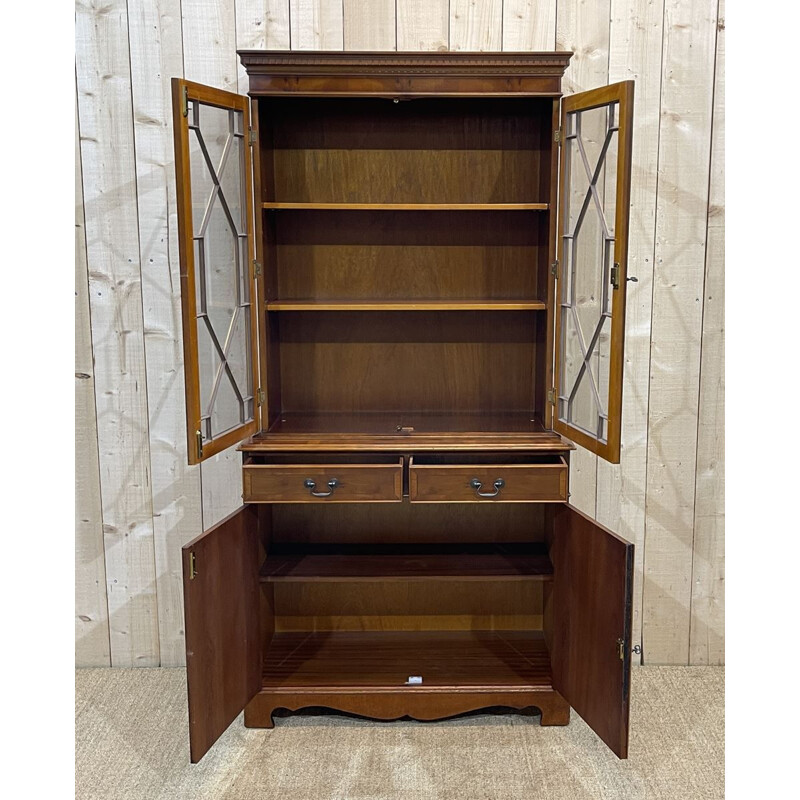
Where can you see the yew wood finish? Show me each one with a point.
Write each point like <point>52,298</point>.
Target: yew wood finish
<point>621,93</point>
<point>371,256</point>
<point>589,640</point>
<point>406,75</point>
<point>496,483</point>
<point>367,673</point>
<point>408,206</point>
<point>223,636</point>
<point>412,563</point>
<point>332,483</point>
<point>474,304</point>
<point>414,703</point>
<point>404,432</point>
<point>183,93</point>
<point>410,487</point>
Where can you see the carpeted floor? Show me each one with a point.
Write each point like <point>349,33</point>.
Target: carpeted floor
<point>132,742</point>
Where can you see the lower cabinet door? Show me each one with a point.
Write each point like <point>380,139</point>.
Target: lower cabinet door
<point>589,635</point>
<point>221,608</point>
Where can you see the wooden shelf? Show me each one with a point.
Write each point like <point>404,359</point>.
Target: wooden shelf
<point>406,206</point>
<point>385,660</point>
<point>349,563</point>
<point>399,432</point>
<point>406,305</point>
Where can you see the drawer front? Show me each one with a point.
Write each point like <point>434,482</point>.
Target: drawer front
<point>323,483</point>
<point>500,483</point>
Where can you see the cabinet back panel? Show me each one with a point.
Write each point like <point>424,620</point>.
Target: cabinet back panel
<point>407,361</point>
<point>377,255</point>
<point>377,151</point>
<point>407,523</point>
<point>452,605</point>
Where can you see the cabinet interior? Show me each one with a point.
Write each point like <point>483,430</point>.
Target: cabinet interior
<point>355,296</point>
<point>340,581</point>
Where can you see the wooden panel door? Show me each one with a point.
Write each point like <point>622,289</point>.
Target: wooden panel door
<point>594,199</point>
<point>590,637</point>
<point>218,288</point>
<point>221,607</point>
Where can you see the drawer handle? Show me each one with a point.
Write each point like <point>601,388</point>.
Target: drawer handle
<point>311,485</point>
<point>477,485</point>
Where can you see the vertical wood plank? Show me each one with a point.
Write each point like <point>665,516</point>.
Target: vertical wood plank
<point>707,624</point>
<point>154,32</point>
<point>92,647</point>
<point>635,53</point>
<point>423,24</point>
<point>317,25</point>
<point>584,28</point>
<point>260,25</point>
<point>112,239</point>
<point>209,56</point>
<point>683,172</point>
<point>209,43</point>
<point>529,25</point>
<point>369,28</point>
<point>476,25</point>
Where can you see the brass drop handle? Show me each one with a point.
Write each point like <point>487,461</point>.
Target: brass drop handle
<point>311,485</point>
<point>477,485</point>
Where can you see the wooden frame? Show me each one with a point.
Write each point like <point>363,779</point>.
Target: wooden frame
<point>184,92</point>
<point>391,400</point>
<point>222,613</point>
<point>591,608</point>
<point>623,94</point>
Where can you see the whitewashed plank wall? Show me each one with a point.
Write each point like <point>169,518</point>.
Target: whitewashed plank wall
<point>137,501</point>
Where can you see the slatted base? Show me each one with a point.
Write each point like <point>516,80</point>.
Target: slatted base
<point>365,673</point>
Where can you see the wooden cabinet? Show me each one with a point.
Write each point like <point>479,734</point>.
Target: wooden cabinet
<point>403,284</point>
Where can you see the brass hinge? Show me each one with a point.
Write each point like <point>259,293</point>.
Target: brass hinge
<point>260,397</point>
<point>615,276</point>
<point>252,138</point>
<point>551,396</point>
<point>257,268</point>
<point>185,102</point>
<point>199,443</point>
<point>554,269</point>
<point>192,566</point>
<point>557,136</point>
<point>637,649</point>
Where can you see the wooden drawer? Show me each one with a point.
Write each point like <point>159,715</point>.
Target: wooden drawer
<point>324,480</point>
<point>439,478</point>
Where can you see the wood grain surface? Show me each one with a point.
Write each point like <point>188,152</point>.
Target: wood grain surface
<point>223,637</point>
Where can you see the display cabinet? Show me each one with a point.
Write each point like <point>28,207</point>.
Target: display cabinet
<point>403,285</point>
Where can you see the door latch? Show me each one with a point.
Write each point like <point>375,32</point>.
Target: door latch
<point>615,275</point>
<point>637,649</point>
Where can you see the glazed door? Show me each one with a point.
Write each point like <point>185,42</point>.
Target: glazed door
<point>221,609</point>
<point>594,199</point>
<point>590,637</point>
<point>218,290</point>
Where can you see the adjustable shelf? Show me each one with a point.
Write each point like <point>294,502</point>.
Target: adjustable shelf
<point>349,563</point>
<point>407,305</point>
<point>273,206</point>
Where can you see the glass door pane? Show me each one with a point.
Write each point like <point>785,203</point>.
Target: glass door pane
<point>593,228</point>
<point>218,290</point>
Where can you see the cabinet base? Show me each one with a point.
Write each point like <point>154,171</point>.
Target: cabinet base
<point>417,704</point>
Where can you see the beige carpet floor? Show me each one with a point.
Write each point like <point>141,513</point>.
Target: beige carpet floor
<point>131,741</point>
